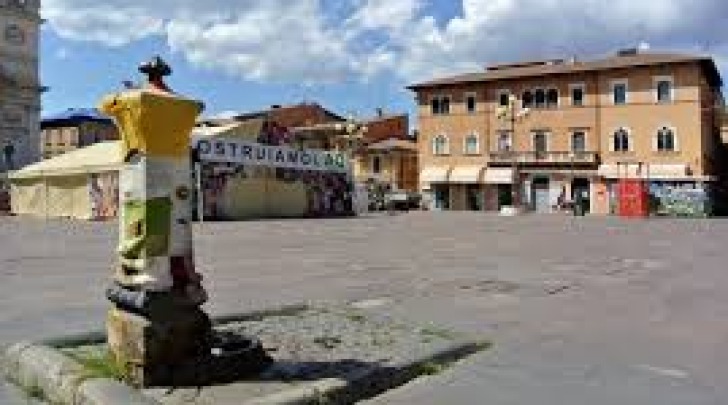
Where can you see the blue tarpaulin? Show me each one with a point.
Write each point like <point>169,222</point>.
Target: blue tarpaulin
<point>72,116</point>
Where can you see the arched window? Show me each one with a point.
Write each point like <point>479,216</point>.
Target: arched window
<point>552,98</point>
<point>527,98</point>
<point>440,145</point>
<point>471,144</point>
<point>621,140</point>
<point>666,140</point>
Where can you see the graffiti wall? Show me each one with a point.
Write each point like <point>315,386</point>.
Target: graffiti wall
<point>680,199</point>
<point>235,191</point>
<point>104,192</point>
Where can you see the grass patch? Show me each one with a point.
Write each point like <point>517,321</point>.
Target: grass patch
<point>34,392</point>
<point>355,317</point>
<point>99,363</point>
<point>328,342</point>
<point>430,368</point>
<point>433,367</point>
<point>431,331</point>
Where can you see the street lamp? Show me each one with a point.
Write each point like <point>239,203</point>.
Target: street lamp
<point>513,114</point>
<point>353,132</point>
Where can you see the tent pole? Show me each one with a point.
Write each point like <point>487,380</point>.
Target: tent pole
<point>45,195</point>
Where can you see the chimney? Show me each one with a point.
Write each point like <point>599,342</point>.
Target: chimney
<point>628,52</point>
<point>380,112</point>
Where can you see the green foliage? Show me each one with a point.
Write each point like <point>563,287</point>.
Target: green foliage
<point>99,364</point>
<point>356,317</point>
<point>435,332</point>
<point>328,342</point>
<point>34,392</point>
<point>430,368</point>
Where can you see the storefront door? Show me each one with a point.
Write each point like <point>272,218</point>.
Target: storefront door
<point>474,196</point>
<point>442,196</point>
<point>580,193</point>
<point>541,194</point>
<point>505,195</point>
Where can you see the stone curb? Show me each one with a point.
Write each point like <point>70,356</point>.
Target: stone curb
<point>43,370</point>
<point>369,383</point>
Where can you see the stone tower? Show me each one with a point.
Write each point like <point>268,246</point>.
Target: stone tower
<point>19,83</point>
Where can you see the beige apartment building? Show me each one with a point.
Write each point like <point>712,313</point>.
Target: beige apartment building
<point>540,135</point>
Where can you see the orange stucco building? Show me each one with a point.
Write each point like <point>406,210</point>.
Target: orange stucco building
<point>539,135</point>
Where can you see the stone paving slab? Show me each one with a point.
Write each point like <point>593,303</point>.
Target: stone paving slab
<point>647,299</point>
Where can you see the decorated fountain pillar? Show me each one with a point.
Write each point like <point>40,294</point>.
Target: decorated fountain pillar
<point>156,328</point>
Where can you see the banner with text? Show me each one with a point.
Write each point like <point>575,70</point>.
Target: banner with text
<point>252,153</point>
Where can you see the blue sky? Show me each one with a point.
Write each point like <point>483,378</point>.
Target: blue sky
<point>352,56</point>
<point>80,73</point>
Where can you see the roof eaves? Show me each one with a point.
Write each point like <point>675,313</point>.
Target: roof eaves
<point>566,68</point>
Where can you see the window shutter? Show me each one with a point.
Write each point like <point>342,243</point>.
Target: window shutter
<point>656,141</point>
<point>447,145</point>
<point>675,142</point>
<point>630,141</point>
<point>612,141</point>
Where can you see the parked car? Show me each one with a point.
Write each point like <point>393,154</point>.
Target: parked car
<point>402,200</point>
<point>4,199</point>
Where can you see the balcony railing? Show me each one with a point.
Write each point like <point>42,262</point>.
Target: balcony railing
<point>534,157</point>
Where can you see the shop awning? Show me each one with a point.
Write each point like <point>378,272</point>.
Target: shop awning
<point>644,171</point>
<point>434,174</point>
<point>499,176</point>
<point>466,174</point>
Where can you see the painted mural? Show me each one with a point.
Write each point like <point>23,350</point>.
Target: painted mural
<point>155,250</point>
<point>104,192</point>
<point>272,178</point>
<point>680,199</point>
<point>327,194</point>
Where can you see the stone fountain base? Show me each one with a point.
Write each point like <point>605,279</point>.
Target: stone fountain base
<point>167,342</point>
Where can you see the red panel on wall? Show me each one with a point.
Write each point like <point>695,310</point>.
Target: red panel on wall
<point>633,199</point>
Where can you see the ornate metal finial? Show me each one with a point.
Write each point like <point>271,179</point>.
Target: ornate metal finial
<point>156,69</point>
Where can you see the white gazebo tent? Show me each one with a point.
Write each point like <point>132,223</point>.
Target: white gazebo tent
<point>63,186</point>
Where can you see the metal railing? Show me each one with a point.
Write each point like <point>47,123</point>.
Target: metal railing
<point>538,157</point>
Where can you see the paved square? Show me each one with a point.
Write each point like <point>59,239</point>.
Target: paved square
<point>581,310</point>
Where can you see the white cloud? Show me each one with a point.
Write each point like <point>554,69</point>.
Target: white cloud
<point>309,41</point>
<point>62,53</point>
<point>224,114</point>
<point>393,15</point>
<point>103,22</point>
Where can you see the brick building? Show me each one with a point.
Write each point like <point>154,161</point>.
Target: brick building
<point>538,134</point>
<point>73,129</point>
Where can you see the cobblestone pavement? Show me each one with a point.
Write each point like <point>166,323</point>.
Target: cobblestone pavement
<point>581,310</point>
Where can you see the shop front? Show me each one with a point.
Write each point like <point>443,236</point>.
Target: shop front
<point>500,188</point>
<point>435,188</point>
<point>468,192</point>
<point>558,190</point>
<point>671,189</point>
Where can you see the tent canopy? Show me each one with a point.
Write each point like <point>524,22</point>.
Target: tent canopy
<point>249,129</point>
<point>99,157</point>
